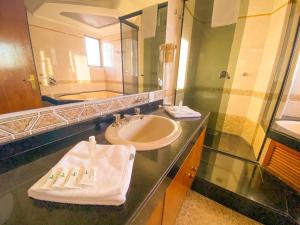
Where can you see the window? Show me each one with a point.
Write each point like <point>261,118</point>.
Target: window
<point>92,47</point>
<point>107,53</point>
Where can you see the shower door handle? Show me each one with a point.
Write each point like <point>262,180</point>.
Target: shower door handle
<point>224,74</point>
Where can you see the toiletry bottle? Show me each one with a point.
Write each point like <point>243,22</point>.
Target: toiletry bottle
<point>92,146</point>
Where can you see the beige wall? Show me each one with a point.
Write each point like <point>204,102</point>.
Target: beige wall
<point>59,51</point>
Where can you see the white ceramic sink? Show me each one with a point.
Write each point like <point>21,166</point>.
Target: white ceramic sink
<point>146,132</point>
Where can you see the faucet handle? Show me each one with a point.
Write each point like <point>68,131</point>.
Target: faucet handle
<point>117,117</point>
<point>137,111</point>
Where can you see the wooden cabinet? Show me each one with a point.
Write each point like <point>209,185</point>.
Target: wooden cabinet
<point>284,163</point>
<point>175,196</point>
<point>176,192</point>
<point>156,217</point>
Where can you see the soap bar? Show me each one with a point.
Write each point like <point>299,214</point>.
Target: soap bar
<point>88,176</point>
<point>61,179</point>
<point>72,182</point>
<point>51,178</point>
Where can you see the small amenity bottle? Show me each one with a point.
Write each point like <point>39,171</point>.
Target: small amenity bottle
<point>92,146</point>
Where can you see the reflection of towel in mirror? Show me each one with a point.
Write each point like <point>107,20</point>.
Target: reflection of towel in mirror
<point>225,12</point>
<point>181,112</point>
<point>149,20</point>
<point>114,165</point>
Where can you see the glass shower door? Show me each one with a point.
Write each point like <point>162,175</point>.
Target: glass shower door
<point>129,46</point>
<point>207,50</point>
<point>208,57</point>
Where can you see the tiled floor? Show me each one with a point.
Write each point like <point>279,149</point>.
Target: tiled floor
<point>199,210</point>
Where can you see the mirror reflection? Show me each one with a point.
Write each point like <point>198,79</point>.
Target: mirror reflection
<point>72,51</point>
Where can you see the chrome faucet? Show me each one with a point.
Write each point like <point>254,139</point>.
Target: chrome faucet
<point>137,111</point>
<point>117,122</point>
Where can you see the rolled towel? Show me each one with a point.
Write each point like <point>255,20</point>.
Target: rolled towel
<point>149,20</point>
<point>114,165</point>
<point>181,112</point>
<point>225,12</point>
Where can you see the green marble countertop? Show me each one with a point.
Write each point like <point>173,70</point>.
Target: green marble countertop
<point>150,177</point>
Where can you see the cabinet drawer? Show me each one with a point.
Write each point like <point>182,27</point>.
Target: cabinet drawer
<point>284,163</point>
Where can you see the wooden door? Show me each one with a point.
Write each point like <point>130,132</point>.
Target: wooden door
<point>19,89</point>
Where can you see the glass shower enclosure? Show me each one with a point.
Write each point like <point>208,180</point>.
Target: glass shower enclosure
<point>227,69</point>
<point>129,49</point>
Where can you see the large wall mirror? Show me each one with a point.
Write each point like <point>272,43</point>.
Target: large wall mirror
<point>56,52</point>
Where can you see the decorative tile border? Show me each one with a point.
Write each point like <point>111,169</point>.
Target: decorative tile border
<point>14,126</point>
<point>229,91</point>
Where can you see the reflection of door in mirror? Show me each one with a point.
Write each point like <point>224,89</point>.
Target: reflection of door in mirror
<point>129,38</point>
<point>153,69</point>
<point>19,89</point>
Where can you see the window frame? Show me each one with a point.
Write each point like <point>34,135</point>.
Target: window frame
<point>100,49</point>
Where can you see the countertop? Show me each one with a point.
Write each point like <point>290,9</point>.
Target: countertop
<point>151,174</point>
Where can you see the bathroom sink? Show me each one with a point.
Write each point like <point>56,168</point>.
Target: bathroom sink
<point>145,132</point>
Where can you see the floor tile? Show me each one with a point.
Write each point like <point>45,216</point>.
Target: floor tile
<point>199,210</point>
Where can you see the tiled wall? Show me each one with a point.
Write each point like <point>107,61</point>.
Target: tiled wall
<point>14,126</point>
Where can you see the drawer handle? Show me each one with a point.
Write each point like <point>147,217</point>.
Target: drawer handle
<point>194,169</point>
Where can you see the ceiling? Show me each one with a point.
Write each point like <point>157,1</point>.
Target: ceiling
<point>87,14</point>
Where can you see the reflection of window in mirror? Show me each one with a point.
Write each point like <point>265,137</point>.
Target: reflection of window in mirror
<point>92,46</point>
<point>107,54</point>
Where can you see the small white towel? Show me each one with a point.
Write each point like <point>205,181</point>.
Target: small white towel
<point>181,112</point>
<point>114,165</point>
<point>225,12</point>
<point>149,20</point>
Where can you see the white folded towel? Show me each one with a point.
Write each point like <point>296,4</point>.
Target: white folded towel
<point>149,20</point>
<point>114,165</point>
<point>225,12</point>
<point>181,112</point>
